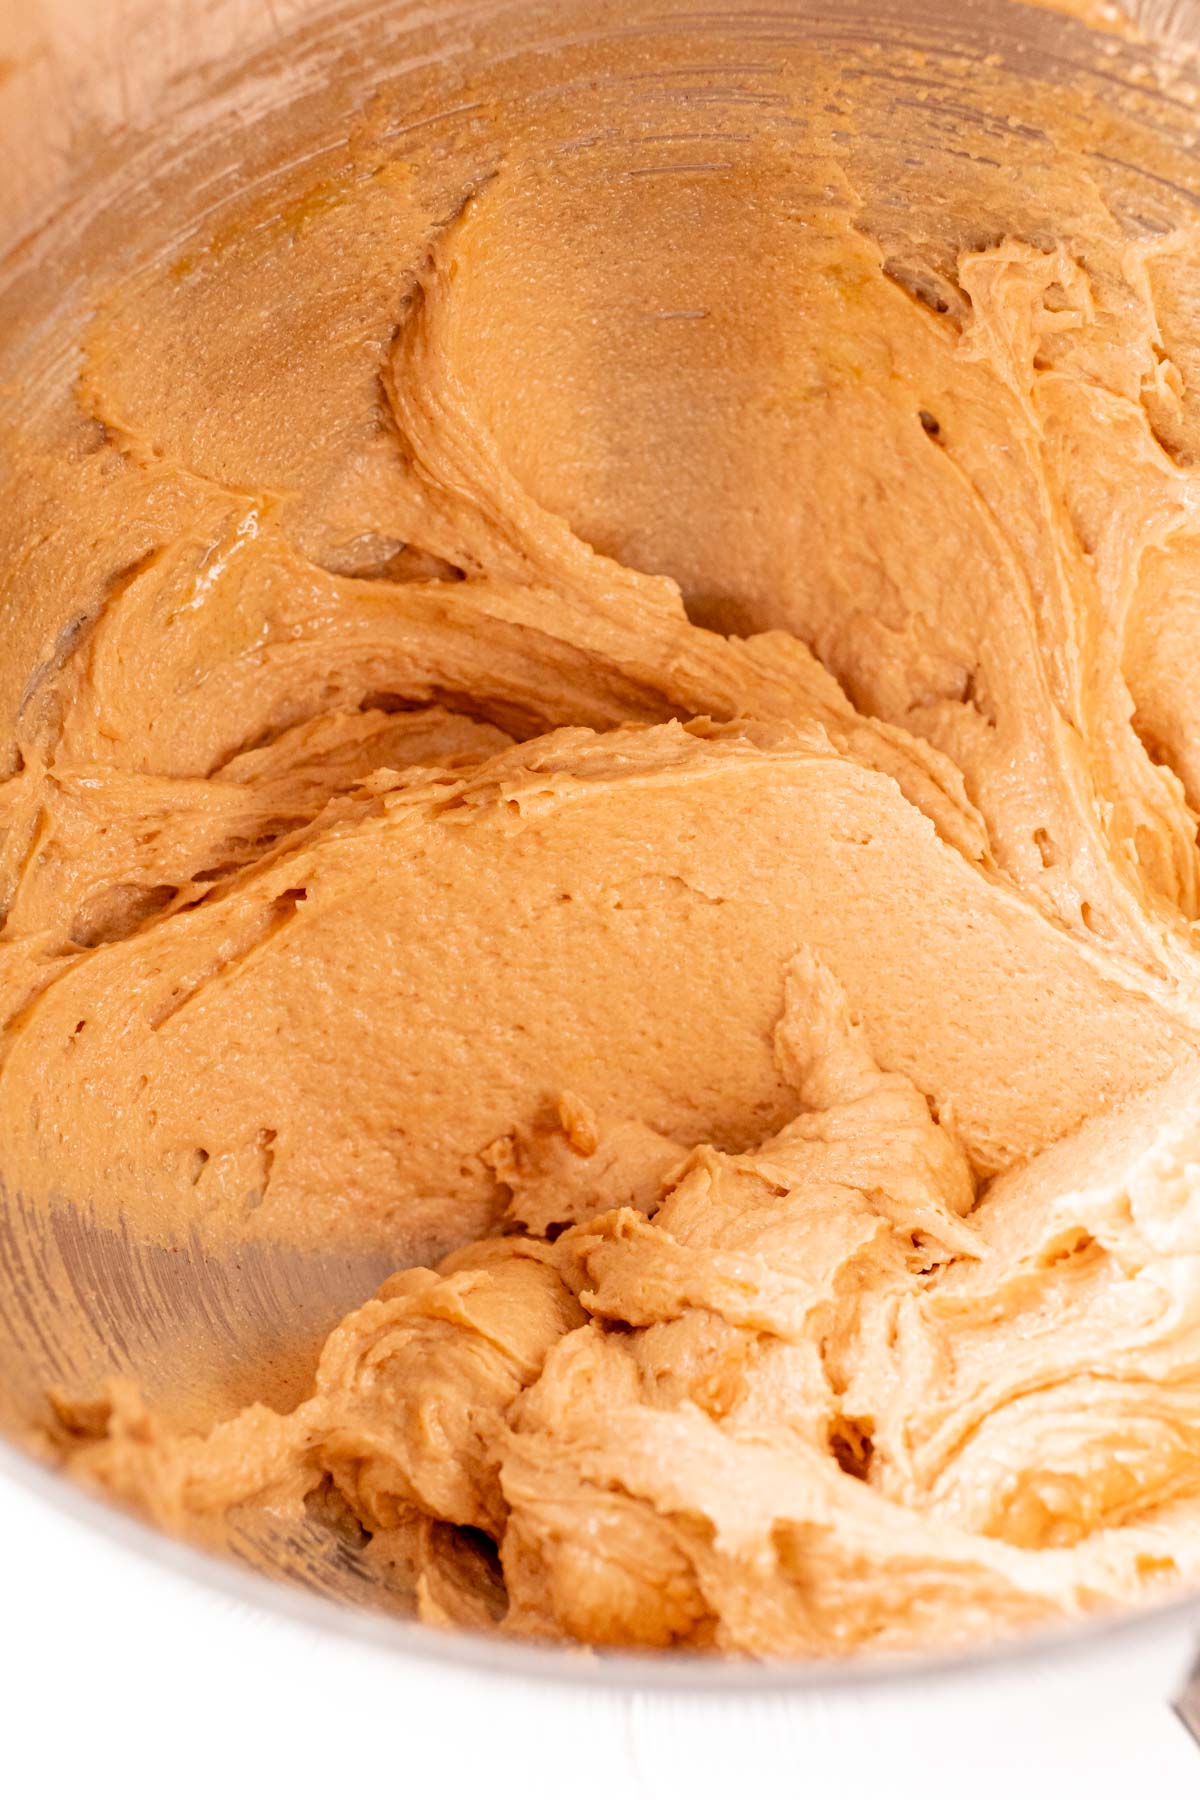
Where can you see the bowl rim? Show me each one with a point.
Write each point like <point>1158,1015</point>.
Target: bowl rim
<point>679,1672</point>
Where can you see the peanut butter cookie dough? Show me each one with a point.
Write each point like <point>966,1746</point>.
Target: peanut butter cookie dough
<point>744,953</point>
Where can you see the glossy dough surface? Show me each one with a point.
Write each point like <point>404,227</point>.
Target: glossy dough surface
<point>670,798</point>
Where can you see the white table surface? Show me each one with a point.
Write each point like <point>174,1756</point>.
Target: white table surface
<point>128,1677</point>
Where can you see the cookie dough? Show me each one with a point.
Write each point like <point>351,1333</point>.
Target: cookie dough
<point>679,818</point>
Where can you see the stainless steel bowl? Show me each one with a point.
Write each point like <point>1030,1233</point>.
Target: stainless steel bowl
<point>129,126</point>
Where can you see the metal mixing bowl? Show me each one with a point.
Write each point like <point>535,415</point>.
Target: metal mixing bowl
<point>125,125</point>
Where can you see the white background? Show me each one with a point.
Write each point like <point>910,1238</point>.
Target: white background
<point>127,1675</point>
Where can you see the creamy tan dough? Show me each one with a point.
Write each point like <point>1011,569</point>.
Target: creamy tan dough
<point>748,949</point>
